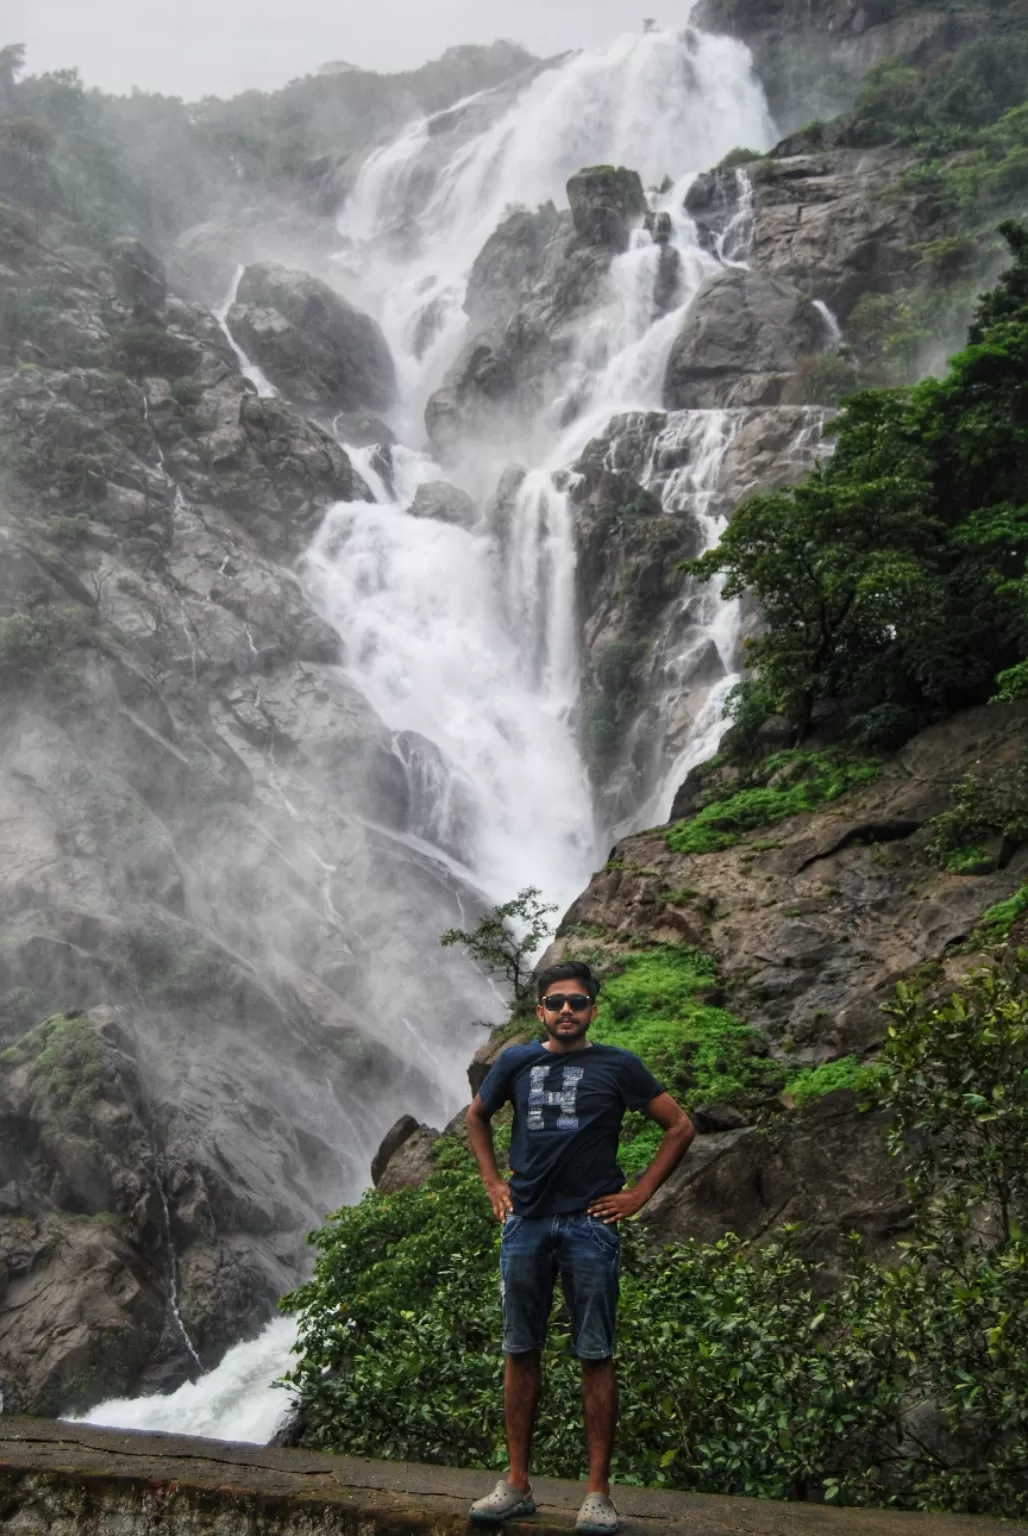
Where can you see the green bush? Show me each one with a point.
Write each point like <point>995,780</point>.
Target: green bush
<point>987,803</point>
<point>737,157</point>
<point>806,780</point>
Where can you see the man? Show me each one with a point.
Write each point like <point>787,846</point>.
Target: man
<point>560,1212</point>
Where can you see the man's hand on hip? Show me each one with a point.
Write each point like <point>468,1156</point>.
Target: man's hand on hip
<point>499,1199</point>
<point>610,1208</point>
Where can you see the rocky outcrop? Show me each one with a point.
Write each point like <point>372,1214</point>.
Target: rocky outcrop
<point>557,263</point>
<point>812,58</point>
<point>645,492</point>
<point>837,223</point>
<point>813,922</point>
<point>319,350</point>
<point>606,203</point>
<point>405,1158</point>
<point>197,841</point>
<point>510,263</point>
<point>743,338</point>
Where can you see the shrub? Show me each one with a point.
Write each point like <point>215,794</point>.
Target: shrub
<point>30,645</point>
<point>987,803</point>
<point>737,157</point>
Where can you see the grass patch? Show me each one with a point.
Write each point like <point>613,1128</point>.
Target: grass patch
<point>814,1082</point>
<point>782,785</point>
<point>654,1007</point>
<point>999,919</point>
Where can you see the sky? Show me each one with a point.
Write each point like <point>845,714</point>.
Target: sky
<point>193,48</point>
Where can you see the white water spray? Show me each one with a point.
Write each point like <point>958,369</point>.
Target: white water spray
<point>466,640</point>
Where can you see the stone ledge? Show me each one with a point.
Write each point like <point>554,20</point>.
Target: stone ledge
<point>67,1478</point>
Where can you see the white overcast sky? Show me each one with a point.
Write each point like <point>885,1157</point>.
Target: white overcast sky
<point>193,48</point>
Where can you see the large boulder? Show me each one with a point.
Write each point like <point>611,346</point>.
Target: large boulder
<point>314,346</point>
<point>606,202</point>
<point>742,340</point>
<point>444,503</point>
<point>140,274</point>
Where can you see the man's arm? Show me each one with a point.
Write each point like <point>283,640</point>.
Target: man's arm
<point>678,1133</point>
<point>480,1140</point>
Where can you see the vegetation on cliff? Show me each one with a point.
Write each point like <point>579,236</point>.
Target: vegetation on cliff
<point>907,1386</point>
<point>892,580</point>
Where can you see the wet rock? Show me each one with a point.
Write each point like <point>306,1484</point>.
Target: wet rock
<point>510,263</point>
<point>141,275</point>
<point>837,223</point>
<point>318,349</point>
<point>742,339</point>
<point>606,203</point>
<point>391,1143</point>
<point>410,1164</point>
<point>826,1167</point>
<point>444,503</point>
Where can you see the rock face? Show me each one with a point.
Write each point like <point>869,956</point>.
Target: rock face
<point>321,351</point>
<point>509,264</point>
<point>813,923</point>
<point>187,879</point>
<point>644,492</point>
<point>743,337</point>
<point>812,57</point>
<point>837,223</point>
<point>535,279</point>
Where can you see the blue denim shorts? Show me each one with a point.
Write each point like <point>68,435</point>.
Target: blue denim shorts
<point>586,1254</point>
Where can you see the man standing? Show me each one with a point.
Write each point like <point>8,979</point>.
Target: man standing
<point>560,1212</point>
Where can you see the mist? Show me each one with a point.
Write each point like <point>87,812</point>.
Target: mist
<point>199,48</point>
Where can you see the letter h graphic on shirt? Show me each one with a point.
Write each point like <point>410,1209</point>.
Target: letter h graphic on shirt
<point>565,1100</point>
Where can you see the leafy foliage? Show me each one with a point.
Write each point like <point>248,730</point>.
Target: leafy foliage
<point>505,939</point>
<point>30,645</point>
<point>960,1094</point>
<point>863,1078</point>
<point>906,1386</point>
<point>779,786</point>
<point>987,802</point>
<point>893,579</point>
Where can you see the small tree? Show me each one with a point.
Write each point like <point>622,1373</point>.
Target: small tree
<point>959,1094</point>
<point>505,938</point>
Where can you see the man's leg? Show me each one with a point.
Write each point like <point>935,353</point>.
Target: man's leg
<point>589,1267</point>
<point>522,1386</point>
<point>600,1404</point>
<point>527,1273</point>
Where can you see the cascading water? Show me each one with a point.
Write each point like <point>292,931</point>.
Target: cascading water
<point>464,640</point>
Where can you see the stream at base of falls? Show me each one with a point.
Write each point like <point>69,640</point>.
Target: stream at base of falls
<point>469,656</point>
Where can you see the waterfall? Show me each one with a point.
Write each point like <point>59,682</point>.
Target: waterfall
<point>261,383</point>
<point>464,638</point>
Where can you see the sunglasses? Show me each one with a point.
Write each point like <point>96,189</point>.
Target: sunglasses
<point>576,1001</point>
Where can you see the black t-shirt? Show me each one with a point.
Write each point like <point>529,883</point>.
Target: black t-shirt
<point>568,1109</point>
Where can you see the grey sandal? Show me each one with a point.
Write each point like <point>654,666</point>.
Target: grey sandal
<point>504,1503</point>
<point>597,1516</point>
